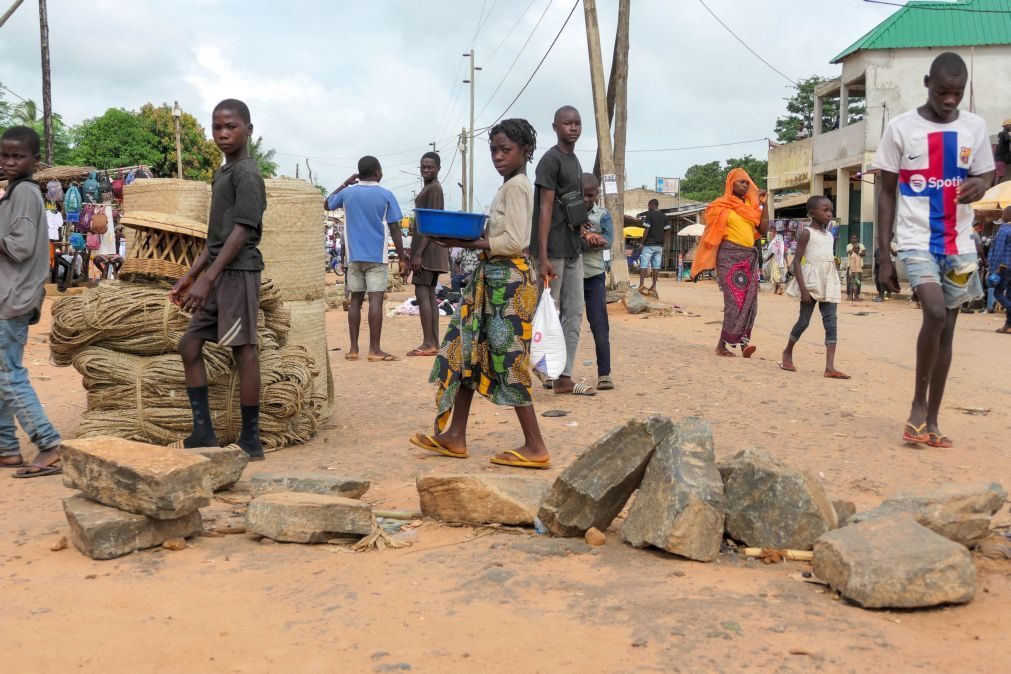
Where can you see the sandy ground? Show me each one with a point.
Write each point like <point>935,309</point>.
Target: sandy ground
<point>465,600</point>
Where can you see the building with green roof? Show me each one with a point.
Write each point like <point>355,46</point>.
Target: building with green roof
<point>886,67</point>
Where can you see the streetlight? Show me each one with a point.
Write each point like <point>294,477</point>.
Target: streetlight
<point>177,112</point>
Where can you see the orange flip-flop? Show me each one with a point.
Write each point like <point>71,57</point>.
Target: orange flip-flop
<point>430,444</point>
<point>836,374</point>
<point>917,437</point>
<point>749,351</point>
<point>786,366</point>
<point>520,461</point>
<point>939,440</point>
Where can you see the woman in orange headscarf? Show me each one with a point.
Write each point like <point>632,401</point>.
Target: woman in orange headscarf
<point>733,223</point>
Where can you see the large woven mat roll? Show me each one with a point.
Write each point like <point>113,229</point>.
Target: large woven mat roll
<point>308,330</point>
<point>292,243</point>
<point>186,198</point>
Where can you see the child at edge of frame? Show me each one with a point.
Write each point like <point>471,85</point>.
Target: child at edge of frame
<point>222,287</point>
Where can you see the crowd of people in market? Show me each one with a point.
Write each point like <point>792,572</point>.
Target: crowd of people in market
<point>546,235</point>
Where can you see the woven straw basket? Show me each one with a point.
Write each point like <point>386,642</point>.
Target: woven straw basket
<point>187,198</point>
<point>292,242</point>
<point>308,329</point>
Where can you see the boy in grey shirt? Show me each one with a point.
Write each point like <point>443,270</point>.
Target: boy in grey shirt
<point>24,264</point>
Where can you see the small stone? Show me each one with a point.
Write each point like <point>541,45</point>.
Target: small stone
<point>175,544</point>
<point>482,499</point>
<point>679,574</point>
<point>227,464</point>
<point>634,303</point>
<point>59,545</point>
<point>959,512</point>
<point>679,507</point>
<point>314,482</point>
<point>844,510</point>
<point>101,532</point>
<point>595,537</point>
<point>771,505</point>
<point>893,562</point>
<point>295,517</point>
<point>150,480</point>
<point>597,485</point>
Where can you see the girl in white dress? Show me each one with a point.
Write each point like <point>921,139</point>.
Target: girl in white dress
<point>815,281</point>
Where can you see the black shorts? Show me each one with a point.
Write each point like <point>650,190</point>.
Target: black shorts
<point>424,277</point>
<point>229,315</point>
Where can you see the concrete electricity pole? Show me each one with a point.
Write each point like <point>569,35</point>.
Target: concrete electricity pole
<point>463,170</point>
<point>177,113</point>
<point>609,179</point>
<point>470,177</point>
<point>47,94</point>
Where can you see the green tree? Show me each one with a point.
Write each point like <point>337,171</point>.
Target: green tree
<point>201,157</point>
<point>705,182</point>
<point>264,158</point>
<point>26,113</point>
<point>798,123</point>
<point>5,111</point>
<point>116,138</point>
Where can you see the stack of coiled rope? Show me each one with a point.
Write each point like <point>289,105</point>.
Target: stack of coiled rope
<point>122,337</point>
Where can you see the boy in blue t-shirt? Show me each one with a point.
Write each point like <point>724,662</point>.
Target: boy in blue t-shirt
<point>369,209</point>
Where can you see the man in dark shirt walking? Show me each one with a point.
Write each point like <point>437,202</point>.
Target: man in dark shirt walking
<point>652,246</point>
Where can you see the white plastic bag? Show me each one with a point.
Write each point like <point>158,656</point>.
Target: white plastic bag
<point>547,345</point>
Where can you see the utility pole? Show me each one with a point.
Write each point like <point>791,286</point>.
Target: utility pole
<point>433,147</point>
<point>470,177</point>
<point>47,94</point>
<point>177,112</point>
<point>619,269</point>
<point>619,75</point>
<point>10,10</point>
<point>463,170</point>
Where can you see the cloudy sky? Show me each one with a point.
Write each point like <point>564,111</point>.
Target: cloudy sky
<point>330,81</point>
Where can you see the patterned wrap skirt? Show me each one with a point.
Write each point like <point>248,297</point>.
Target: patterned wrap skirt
<point>487,345</point>
<point>737,273</point>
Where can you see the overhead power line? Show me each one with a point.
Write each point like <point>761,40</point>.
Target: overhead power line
<point>12,93</point>
<point>692,147</point>
<point>746,46</point>
<point>508,34</point>
<point>544,58</point>
<point>518,54</point>
<point>943,7</point>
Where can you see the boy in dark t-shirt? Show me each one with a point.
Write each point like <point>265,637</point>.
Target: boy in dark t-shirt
<point>222,287</point>
<point>428,259</point>
<point>554,245</point>
<point>652,246</point>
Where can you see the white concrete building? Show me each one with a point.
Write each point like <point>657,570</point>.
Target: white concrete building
<point>886,67</point>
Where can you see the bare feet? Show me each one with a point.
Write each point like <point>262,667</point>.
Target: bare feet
<point>12,461</point>
<point>725,352</point>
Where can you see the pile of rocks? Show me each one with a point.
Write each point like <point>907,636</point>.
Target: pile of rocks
<point>314,507</point>
<point>912,551</point>
<point>134,496</point>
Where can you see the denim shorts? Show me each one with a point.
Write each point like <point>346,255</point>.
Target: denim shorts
<point>958,275</point>
<point>367,277</point>
<point>650,257</point>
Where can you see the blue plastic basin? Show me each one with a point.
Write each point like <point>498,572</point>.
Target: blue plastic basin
<point>450,224</point>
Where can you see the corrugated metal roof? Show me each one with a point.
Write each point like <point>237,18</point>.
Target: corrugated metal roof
<point>939,24</point>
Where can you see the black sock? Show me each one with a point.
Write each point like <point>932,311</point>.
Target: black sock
<point>203,431</point>
<point>249,438</point>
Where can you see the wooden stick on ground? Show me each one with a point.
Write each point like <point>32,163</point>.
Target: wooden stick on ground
<point>772,553</point>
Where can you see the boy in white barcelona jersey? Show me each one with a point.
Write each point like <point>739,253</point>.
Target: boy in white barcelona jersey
<point>934,161</point>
